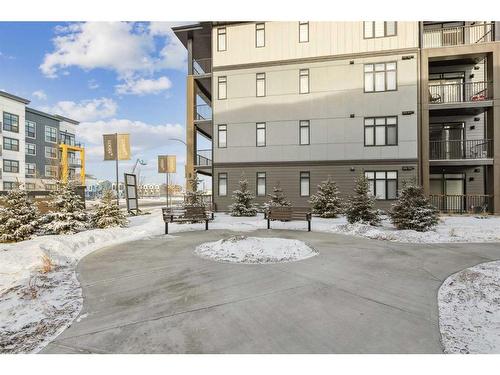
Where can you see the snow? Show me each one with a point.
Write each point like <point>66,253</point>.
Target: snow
<point>241,249</point>
<point>27,323</point>
<point>469,310</point>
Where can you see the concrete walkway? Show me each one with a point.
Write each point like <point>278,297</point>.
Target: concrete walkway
<point>356,296</point>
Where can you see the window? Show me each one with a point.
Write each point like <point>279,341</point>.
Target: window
<point>304,132</point>
<point>304,81</point>
<point>29,186</point>
<point>9,185</point>
<point>379,29</point>
<point>260,35</point>
<point>10,122</point>
<point>50,186</point>
<point>222,184</point>
<point>51,171</point>
<point>383,185</point>
<point>304,184</point>
<point>303,32</point>
<point>381,131</point>
<point>30,129</point>
<point>11,166</point>
<point>222,136</point>
<point>221,39</point>
<point>380,77</point>
<point>50,152</point>
<point>222,88</point>
<point>261,84</point>
<point>261,184</point>
<point>50,134</point>
<point>261,134</point>
<point>67,138</point>
<point>30,170</point>
<point>30,149</point>
<point>10,144</point>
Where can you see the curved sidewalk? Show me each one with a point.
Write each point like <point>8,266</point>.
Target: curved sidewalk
<point>356,296</point>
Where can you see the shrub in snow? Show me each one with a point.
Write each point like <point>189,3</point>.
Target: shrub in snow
<point>242,198</point>
<point>194,197</point>
<point>326,202</point>
<point>107,214</point>
<point>413,210</point>
<point>360,206</point>
<point>278,198</point>
<point>18,216</point>
<point>68,212</point>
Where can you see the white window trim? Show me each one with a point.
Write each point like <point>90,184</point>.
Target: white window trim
<point>26,128</point>
<point>45,134</point>
<point>50,157</point>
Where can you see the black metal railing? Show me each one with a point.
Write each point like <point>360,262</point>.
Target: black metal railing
<point>459,204</point>
<point>202,66</point>
<point>204,158</point>
<point>460,92</point>
<point>202,112</point>
<point>461,149</point>
<point>459,35</point>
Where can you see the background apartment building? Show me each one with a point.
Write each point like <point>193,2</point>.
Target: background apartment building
<point>295,102</point>
<point>37,148</point>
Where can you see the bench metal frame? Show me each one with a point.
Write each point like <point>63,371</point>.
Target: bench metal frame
<point>173,215</point>
<point>289,214</point>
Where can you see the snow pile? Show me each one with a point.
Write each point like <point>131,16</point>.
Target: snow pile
<point>241,249</point>
<point>469,310</point>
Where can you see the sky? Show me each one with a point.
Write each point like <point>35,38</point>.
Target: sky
<point>112,77</point>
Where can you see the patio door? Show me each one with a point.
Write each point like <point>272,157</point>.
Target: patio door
<point>447,141</point>
<point>447,87</point>
<point>451,188</point>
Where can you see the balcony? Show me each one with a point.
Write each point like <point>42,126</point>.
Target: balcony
<point>204,158</point>
<point>458,35</point>
<point>202,67</point>
<point>202,112</point>
<point>461,204</point>
<point>466,92</point>
<point>461,149</point>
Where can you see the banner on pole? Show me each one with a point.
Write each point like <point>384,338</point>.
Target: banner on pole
<point>167,163</point>
<point>116,146</point>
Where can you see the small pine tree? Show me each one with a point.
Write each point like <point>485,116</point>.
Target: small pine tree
<point>68,212</point>
<point>194,197</point>
<point>18,216</point>
<point>360,206</point>
<point>413,210</point>
<point>326,202</point>
<point>278,198</point>
<point>107,213</point>
<point>243,205</point>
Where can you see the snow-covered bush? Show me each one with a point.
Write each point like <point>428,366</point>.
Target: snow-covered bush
<point>413,210</point>
<point>194,197</point>
<point>360,206</point>
<point>242,198</point>
<point>326,202</point>
<point>278,198</point>
<point>67,213</point>
<point>18,216</point>
<point>107,214</point>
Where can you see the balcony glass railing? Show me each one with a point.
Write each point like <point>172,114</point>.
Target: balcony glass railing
<point>202,66</point>
<point>202,112</point>
<point>461,149</point>
<point>459,92</point>
<point>459,35</point>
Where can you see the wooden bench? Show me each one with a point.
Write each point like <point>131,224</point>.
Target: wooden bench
<point>186,215</point>
<point>288,214</point>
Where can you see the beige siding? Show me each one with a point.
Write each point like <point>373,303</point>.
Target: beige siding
<point>325,39</point>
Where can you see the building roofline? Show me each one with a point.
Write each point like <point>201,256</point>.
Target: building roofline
<point>14,97</point>
<point>62,118</point>
<point>41,113</point>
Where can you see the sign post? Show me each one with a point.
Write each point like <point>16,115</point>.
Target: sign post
<point>167,164</point>
<point>116,147</point>
<point>131,193</point>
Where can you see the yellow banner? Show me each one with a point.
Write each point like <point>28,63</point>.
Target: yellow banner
<point>123,146</point>
<point>167,163</point>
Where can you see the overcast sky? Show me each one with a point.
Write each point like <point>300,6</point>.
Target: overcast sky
<point>112,77</point>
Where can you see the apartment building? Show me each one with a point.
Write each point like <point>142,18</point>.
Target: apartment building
<point>292,103</point>
<point>37,148</point>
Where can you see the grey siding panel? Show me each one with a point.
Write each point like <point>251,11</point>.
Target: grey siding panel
<point>288,177</point>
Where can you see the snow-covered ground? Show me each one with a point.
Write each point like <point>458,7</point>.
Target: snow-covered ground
<point>242,249</point>
<point>35,307</point>
<point>469,310</point>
